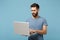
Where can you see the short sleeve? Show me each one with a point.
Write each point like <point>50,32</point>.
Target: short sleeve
<point>27,20</point>
<point>45,22</point>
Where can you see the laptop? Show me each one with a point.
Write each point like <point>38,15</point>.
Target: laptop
<point>21,28</point>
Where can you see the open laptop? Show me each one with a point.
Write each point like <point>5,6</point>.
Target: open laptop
<point>21,28</point>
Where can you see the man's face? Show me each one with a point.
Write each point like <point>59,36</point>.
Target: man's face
<point>34,11</point>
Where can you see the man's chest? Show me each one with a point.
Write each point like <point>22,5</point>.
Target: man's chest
<point>35,24</point>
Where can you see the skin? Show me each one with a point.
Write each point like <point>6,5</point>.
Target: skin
<point>35,11</point>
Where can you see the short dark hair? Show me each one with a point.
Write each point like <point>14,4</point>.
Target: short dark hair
<point>35,5</point>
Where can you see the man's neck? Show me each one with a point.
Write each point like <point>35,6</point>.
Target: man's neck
<point>35,17</point>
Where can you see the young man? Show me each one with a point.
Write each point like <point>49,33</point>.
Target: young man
<point>37,24</point>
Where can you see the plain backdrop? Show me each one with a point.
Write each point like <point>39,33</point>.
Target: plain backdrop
<point>19,10</point>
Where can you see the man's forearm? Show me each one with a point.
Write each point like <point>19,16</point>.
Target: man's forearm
<point>41,31</point>
<point>38,31</point>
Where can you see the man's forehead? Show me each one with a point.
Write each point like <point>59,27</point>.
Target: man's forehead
<point>33,8</point>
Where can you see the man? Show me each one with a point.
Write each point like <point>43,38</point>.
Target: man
<point>37,24</point>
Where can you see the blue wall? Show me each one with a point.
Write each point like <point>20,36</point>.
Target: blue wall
<point>19,10</point>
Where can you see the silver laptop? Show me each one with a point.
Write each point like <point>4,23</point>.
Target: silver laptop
<point>21,28</point>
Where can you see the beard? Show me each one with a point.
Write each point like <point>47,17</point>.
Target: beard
<point>35,14</point>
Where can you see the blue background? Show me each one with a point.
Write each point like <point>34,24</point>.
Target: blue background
<point>19,10</point>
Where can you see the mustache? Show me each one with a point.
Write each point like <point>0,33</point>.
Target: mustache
<point>35,13</point>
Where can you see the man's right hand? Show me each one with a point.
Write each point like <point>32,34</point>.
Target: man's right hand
<point>32,31</point>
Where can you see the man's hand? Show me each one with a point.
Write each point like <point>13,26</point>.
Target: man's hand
<point>32,31</point>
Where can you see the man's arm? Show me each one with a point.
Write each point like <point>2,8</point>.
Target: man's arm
<point>43,31</point>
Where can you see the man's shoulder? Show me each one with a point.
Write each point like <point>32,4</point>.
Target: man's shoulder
<point>42,18</point>
<point>28,19</point>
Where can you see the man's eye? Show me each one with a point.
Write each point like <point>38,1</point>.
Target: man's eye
<point>33,10</point>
